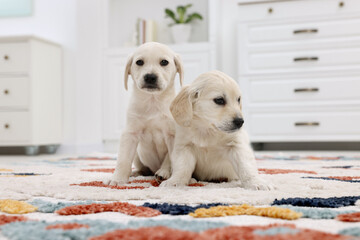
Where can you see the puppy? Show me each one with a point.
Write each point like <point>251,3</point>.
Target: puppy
<point>210,143</point>
<point>149,134</point>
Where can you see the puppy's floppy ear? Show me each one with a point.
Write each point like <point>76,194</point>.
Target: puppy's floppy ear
<point>127,71</point>
<point>181,107</point>
<point>180,68</point>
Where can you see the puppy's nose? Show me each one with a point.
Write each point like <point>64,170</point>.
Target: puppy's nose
<point>238,122</point>
<point>150,78</point>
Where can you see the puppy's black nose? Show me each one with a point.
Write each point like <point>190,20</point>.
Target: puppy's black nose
<point>150,78</point>
<point>238,122</point>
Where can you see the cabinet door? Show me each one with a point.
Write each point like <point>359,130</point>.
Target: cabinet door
<point>115,97</point>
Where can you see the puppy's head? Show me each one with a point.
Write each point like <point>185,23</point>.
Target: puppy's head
<point>213,100</point>
<point>153,67</point>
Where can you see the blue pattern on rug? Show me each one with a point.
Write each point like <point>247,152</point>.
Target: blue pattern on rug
<point>316,213</point>
<point>37,229</point>
<point>50,207</point>
<point>334,179</point>
<point>354,231</point>
<point>177,209</point>
<point>276,230</point>
<point>332,202</point>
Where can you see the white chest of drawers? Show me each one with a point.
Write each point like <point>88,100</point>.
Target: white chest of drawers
<point>299,69</point>
<point>30,93</point>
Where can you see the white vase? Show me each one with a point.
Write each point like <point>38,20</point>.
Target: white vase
<point>181,33</point>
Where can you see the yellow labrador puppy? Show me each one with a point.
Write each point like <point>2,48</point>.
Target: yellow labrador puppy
<point>149,134</point>
<point>210,143</point>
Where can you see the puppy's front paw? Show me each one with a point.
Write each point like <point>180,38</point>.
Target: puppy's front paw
<point>171,182</point>
<point>257,184</point>
<point>162,174</point>
<point>114,182</point>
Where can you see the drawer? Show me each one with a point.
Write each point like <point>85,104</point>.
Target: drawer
<point>14,92</point>
<point>314,123</point>
<point>304,9</point>
<point>14,126</point>
<point>305,31</point>
<point>14,57</point>
<point>311,89</point>
<point>305,60</point>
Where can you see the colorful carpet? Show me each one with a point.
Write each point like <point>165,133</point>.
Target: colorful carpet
<point>316,197</point>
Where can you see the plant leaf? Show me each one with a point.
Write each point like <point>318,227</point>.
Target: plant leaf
<point>181,10</point>
<point>193,16</point>
<point>171,14</point>
<point>187,6</point>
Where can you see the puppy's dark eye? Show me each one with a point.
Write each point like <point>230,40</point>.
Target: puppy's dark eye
<point>220,101</point>
<point>164,62</point>
<point>239,100</point>
<point>140,62</point>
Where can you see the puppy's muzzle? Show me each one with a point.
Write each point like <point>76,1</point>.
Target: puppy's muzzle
<point>238,122</point>
<point>151,81</point>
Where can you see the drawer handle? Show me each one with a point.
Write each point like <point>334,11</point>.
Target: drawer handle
<point>306,90</point>
<point>6,57</point>
<point>301,124</point>
<point>305,31</point>
<point>306,59</point>
<point>6,126</point>
<point>6,91</point>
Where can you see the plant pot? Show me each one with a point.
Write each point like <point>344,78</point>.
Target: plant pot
<point>181,33</point>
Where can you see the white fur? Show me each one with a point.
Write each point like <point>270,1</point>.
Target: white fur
<point>149,134</point>
<point>206,144</point>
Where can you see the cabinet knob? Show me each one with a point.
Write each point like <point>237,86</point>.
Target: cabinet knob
<point>6,57</point>
<point>270,10</point>
<point>306,90</point>
<point>341,4</point>
<point>6,126</point>
<point>305,31</point>
<point>6,91</point>
<point>311,124</point>
<point>306,59</point>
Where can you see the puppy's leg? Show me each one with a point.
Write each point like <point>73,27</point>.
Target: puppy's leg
<point>244,163</point>
<point>140,168</point>
<point>183,164</point>
<point>126,155</point>
<point>165,170</point>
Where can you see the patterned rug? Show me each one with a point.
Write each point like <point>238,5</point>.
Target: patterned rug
<point>316,197</point>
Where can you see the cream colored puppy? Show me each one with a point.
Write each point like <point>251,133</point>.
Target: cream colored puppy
<point>210,143</point>
<point>149,134</point>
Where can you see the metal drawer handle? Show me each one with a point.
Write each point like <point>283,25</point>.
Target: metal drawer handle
<point>306,90</point>
<point>6,91</point>
<point>300,124</point>
<point>306,59</point>
<point>6,57</point>
<point>305,31</point>
<point>6,126</point>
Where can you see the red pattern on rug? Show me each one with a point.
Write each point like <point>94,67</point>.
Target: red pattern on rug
<point>283,171</point>
<point>101,184</point>
<point>125,208</point>
<point>105,170</point>
<point>232,232</point>
<point>5,219</point>
<point>349,217</point>
<point>67,226</point>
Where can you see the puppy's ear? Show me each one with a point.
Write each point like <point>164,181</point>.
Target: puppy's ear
<point>180,68</point>
<point>181,107</point>
<point>127,71</point>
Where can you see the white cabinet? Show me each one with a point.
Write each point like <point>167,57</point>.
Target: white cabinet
<point>299,69</point>
<point>30,93</point>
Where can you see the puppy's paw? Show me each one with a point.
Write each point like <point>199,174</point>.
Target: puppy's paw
<point>258,184</point>
<point>173,183</point>
<point>114,182</point>
<point>162,175</point>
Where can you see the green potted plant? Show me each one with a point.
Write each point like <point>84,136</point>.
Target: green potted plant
<point>181,27</point>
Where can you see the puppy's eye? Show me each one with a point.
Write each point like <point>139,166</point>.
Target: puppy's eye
<point>140,62</point>
<point>239,100</point>
<point>220,101</point>
<point>164,62</point>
